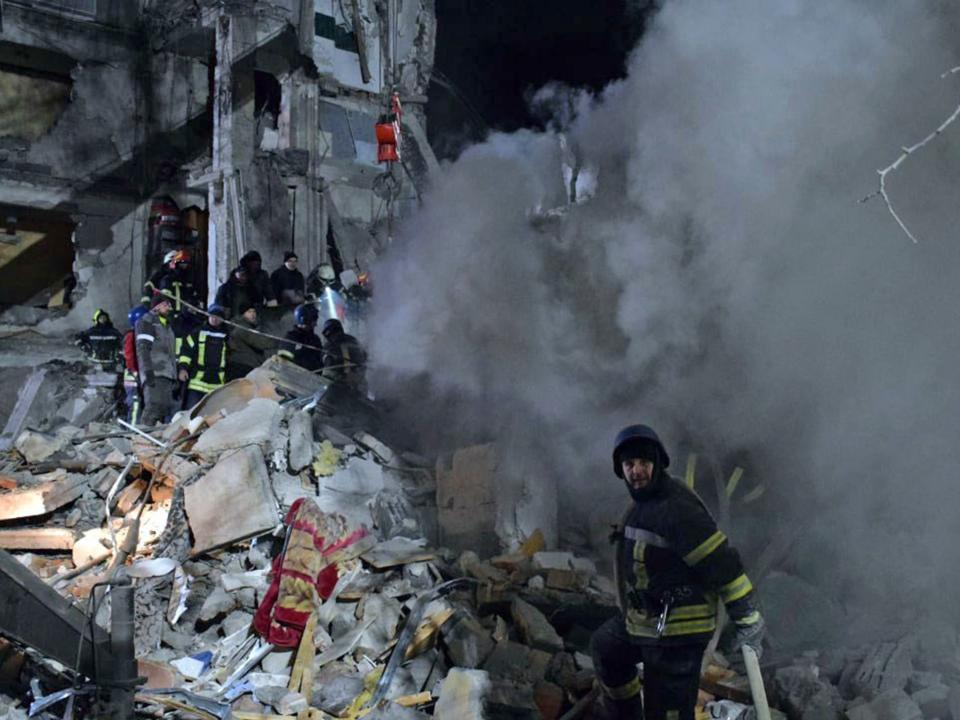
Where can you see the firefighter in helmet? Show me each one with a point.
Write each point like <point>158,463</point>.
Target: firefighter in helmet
<point>102,341</point>
<point>203,354</point>
<point>672,564</point>
<point>303,346</point>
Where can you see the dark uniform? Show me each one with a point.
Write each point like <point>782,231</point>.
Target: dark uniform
<point>344,359</point>
<point>102,342</point>
<point>204,357</point>
<point>234,294</point>
<point>672,565</point>
<point>304,348</point>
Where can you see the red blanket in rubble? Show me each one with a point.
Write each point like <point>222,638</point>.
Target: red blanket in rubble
<point>302,572</point>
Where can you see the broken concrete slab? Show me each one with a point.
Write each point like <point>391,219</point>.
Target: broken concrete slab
<point>466,499</point>
<point>804,695</point>
<point>37,446</point>
<point>890,705</point>
<point>359,477</point>
<point>886,666</point>
<point>397,551</point>
<point>535,629</point>
<point>463,695</point>
<point>57,490</point>
<point>466,641</point>
<point>300,444</point>
<point>258,423</point>
<point>232,502</point>
<point>934,701</point>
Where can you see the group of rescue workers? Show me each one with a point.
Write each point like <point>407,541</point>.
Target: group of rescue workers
<point>176,352</point>
<point>672,563</point>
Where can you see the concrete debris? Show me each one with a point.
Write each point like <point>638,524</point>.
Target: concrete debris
<point>279,552</point>
<point>889,705</point>
<point>232,501</point>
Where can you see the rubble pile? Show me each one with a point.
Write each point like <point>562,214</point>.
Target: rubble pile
<point>286,564</point>
<point>283,555</point>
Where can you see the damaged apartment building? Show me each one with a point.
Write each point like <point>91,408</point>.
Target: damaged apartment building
<point>135,127</point>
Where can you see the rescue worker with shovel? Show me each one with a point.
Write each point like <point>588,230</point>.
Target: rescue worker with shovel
<point>672,563</point>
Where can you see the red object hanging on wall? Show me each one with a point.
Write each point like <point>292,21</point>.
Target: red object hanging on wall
<point>389,134</point>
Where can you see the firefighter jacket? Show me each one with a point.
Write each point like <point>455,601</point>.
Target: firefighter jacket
<point>345,360</point>
<point>203,354</point>
<point>247,349</point>
<point>156,348</point>
<point>304,348</point>
<point>101,343</point>
<point>178,286</point>
<point>670,553</point>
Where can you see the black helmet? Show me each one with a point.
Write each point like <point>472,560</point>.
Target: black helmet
<point>332,327</point>
<point>638,434</point>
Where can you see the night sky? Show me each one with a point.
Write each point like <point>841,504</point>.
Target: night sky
<point>494,53</point>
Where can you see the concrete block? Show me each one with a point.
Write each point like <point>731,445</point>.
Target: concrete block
<point>536,630</point>
<point>256,424</point>
<point>466,641</point>
<point>890,705</point>
<point>934,701</point>
<point>300,447</point>
<point>463,695</point>
<point>887,666</point>
<point>37,446</point>
<point>466,499</point>
<point>231,502</point>
<point>57,490</point>
<point>217,603</point>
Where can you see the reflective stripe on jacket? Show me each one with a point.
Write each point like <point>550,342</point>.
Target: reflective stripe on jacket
<point>671,552</point>
<point>204,355</point>
<point>156,347</point>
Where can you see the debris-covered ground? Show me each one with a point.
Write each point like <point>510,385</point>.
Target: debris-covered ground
<point>285,564</point>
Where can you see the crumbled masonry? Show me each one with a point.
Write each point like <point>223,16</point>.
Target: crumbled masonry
<point>266,486</point>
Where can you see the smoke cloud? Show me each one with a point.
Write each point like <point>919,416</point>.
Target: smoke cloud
<point>723,284</point>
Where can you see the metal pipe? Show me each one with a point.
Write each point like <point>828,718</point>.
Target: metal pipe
<point>123,664</point>
<point>757,690</point>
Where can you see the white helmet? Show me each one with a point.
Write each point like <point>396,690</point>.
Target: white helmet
<point>168,258</point>
<point>326,272</point>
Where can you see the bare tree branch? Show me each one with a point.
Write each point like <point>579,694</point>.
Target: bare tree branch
<point>905,152</point>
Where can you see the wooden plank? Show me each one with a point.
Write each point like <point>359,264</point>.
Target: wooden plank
<point>41,499</point>
<point>398,551</point>
<point>25,400</point>
<point>37,539</point>
<point>7,482</point>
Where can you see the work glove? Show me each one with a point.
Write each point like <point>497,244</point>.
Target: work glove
<point>735,636</point>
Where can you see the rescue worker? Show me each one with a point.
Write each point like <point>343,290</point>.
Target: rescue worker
<point>258,277</point>
<point>178,283</point>
<point>102,341</point>
<point>131,373</point>
<point>304,348</point>
<point>204,357</point>
<point>287,282</point>
<point>344,359</point>
<point>157,361</point>
<point>323,276</point>
<point>153,284</point>
<point>246,349</point>
<point>671,564</point>
<point>237,292</point>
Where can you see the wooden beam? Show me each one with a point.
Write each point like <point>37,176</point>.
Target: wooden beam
<point>41,499</point>
<point>37,539</point>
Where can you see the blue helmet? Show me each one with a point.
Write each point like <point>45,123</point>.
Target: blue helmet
<point>637,434</point>
<point>218,310</point>
<point>137,312</point>
<point>306,314</point>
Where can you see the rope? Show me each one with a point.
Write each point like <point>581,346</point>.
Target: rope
<point>201,311</point>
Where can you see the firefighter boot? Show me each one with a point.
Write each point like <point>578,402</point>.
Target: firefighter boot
<point>628,709</point>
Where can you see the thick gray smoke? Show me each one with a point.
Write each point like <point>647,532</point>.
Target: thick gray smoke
<point>723,284</point>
